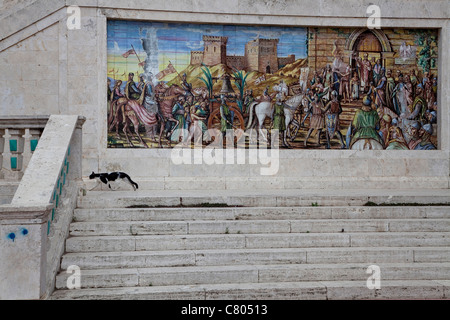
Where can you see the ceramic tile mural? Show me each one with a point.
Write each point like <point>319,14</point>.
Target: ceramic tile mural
<point>321,88</point>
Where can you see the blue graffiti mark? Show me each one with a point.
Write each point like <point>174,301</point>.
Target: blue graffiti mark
<point>12,236</point>
<point>24,231</point>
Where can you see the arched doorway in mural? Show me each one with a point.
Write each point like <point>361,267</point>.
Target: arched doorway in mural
<point>367,58</point>
<point>371,43</point>
<point>367,43</point>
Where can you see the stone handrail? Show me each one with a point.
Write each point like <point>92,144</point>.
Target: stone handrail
<point>35,224</point>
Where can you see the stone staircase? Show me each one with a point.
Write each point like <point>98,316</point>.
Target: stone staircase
<point>258,245</point>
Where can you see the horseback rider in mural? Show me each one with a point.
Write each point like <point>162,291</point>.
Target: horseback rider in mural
<point>363,131</point>
<point>248,99</point>
<point>132,92</point>
<point>185,84</point>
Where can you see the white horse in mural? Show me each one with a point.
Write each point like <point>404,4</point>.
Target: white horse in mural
<point>260,110</point>
<point>292,106</point>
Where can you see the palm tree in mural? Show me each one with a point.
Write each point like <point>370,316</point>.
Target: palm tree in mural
<point>240,81</point>
<point>208,80</point>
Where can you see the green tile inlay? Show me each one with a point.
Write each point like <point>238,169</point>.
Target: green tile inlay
<point>53,214</point>
<point>64,181</point>
<point>14,163</point>
<point>57,201</point>
<point>13,145</point>
<point>33,144</point>
<point>67,171</point>
<point>48,228</point>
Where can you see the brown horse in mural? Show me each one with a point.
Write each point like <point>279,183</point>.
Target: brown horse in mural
<point>166,97</point>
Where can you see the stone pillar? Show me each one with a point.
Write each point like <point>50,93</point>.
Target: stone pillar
<point>31,139</point>
<point>23,247</point>
<point>13,154</point>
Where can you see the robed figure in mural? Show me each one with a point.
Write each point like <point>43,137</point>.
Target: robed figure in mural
<point>380,89</point>
<point>389,90</point>
<point>365,68</point>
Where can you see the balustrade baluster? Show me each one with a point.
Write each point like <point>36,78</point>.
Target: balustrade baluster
<point>2,146</point>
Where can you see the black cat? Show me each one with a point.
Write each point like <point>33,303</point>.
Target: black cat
<point>106,178</point>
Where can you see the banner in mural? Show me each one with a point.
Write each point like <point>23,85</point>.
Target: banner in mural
<point>321,88</point>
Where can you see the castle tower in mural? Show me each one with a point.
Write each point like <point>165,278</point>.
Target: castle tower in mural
<point>215,50</point>
<point>260,55</point>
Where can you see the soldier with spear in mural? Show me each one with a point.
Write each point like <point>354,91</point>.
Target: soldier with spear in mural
<point>332,111</point>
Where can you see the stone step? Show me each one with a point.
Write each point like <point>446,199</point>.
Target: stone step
<point>174,258</point>
<point>323,290</point>
<point>170,276</point>
<point>257,226</point>
<point>253,241</point>
<point>260,198</point>
<point>261,213</point>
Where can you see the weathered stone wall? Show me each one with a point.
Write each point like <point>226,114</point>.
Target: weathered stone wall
<point>29,75</point>
<point>46,68</point>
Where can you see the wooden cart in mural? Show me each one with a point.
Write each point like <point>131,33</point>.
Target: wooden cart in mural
<point>214,117</point>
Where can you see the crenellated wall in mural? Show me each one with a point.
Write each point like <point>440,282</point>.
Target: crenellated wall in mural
<point>321,88</point>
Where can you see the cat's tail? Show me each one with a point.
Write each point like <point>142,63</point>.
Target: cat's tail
<point>134,184</point>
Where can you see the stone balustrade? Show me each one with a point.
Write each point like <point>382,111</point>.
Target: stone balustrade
<point>19,136</point>
<point>34,225</point>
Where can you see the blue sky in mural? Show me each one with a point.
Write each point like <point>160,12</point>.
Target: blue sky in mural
<point>176,40</point>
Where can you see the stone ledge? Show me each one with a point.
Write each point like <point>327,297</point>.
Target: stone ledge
<point>278,183</point>
<point>324,290</point>
<point>23,122</point>
<point>20,214</point>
